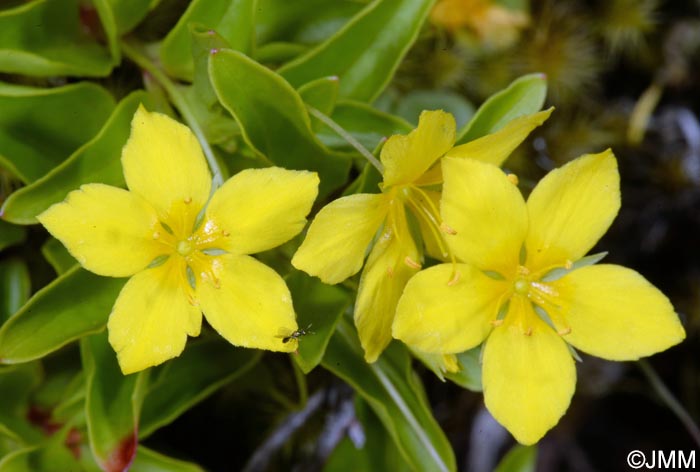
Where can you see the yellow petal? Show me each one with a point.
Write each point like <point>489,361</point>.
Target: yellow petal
<point>447,309</point>
<point>571,208</point>
<point>107,229</point>
<point>250,304</point>
<point>405,158</point>
<point>486,211</point>
<point>152,317</point>
<point>258,209</point>
<point>495,148</point>
<point>528,379</point>
<point>163,163</point>
<point>383,279</point>
<point>337,240</point>
<point>616,314</point>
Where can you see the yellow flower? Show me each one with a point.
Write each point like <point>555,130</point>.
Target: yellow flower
<point>185,252</point>
<point>527,292</point>
<point>339,236</point>
<point>489,21</point>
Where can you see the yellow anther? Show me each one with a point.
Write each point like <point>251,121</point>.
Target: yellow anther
<point>193,301</point>
<point>568,265</point>
<point>156,235</point>
<point>513,179</point>
<point>390,272</point>
<point>225,233</point>
<point>411,263</point>
<point>522,270</point>
<point>528,331</point>
<point>496,322</point>
<point>188,200</point>
<point>455,278</point>
<point>564,332</point>
<point>447,229</point>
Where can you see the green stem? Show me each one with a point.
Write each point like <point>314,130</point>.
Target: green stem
<point>347,137</point>
<point>670,401</point>
<point>301,383</point>
<point>133,53</point>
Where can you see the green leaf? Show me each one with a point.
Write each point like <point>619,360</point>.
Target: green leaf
<point>396,396</point>
<point>377,451</point>
<point>112,404</point>
<point>60,46</point>
<point>234,20</point>
<point>273,117</point>
<point>98,161</point>
<point>16,385</point>
<point>320,94</point>
<point>366,124</point>
<point>366,51</point>
<point>58,256</point>
<point>10,234</point>
<point>469,375</point>
<point>148,460</point>
<point>14,286</point>
<point>413,103</point>
<point>51,455</point>
<point>318,307</point>
<point>204,367</point>
<point>277,53</point>
<point>519,459</point>
<point>75,304</point>
<point>40,127</point>
<point>522,97</point>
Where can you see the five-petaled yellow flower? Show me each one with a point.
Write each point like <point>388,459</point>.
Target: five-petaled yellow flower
<point>521,289</point>
<point>186,253</point>
<point>339,236</point>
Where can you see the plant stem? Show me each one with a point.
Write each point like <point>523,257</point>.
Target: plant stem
<point>143,61</point>
<point>347,137</point>
<point>671,402</point>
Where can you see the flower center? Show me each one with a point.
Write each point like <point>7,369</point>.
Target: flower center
<point>521,286</point>
<point>184,248</point>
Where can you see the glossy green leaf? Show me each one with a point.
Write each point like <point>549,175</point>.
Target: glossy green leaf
<point>58,256</point>
<point>524,96</point>
<point>125,14</point>
<point>204,367</point>
<point>40,127</point>
<point>318,307</point>
<point>469,375</point>
<point>273,117</point>
<point>234,20</point>
<point>76,304</point>
<point>321,94</point>
<point>519,459</point>
<point>16,385</point>
<point>112,404</point>
<point>307,22</point>
<point>366,51</point>
<point>59,46</point>
<point>278,53</point>
<point>413,103</point>
<point>14,286</point>
<point>376,450</point>
<point>148,460</point>
<point>366,124</point>
<point>396,396</point>
<point>98,161</point>
<point>51,455</point>
<point>10,234</point>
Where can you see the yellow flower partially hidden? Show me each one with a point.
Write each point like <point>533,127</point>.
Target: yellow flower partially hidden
<point>339,236</point>
<point>527,290</point>
<point>489,21</point>
<point>181,262</point>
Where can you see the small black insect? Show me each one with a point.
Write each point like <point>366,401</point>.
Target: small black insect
<point>296,334</point>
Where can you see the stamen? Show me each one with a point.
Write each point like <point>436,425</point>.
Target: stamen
<point>226,233</point>
<point>568,264</point>
<point>528,331</point>
<point>390,272</point>
<point>430,214</point>
<point>156,235</point>
<point>564,332</point>
<point>456,275</point>
<point>496,323</point>
<point>411,263</point>
<point>188,200</point>
<point>513,179</point>
<point>447,229</point>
